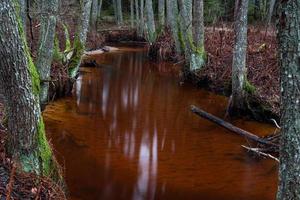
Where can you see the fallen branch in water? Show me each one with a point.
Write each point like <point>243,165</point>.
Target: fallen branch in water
<point>229,126</point>
<point>257,151</point>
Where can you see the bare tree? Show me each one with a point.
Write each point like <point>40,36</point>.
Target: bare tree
<point>150,24</point>
<point>161,13</point>
<point>172,18</point>
<point>288,24</point>
<point>239,70</point>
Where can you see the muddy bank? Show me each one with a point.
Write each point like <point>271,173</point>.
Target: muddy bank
<point>263,70</point>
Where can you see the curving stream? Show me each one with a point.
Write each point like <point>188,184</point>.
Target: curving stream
<point>127,133</point>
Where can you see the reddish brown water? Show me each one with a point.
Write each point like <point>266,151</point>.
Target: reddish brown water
<point>127,133</point>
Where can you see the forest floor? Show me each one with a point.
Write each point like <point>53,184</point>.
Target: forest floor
<point>17,185</point>
<point>263,70</point>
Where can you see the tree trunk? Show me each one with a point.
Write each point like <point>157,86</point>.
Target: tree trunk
<point>150,23</point>
<point>239,70</point>
<point>161,13</point>
<point>289,61</point>
<point>80,38</point>
<point>94,14</point>
<point>99,9</point>
<point>27,142</point>
<point>137,14</point>
<point>142,21</point>
<point>198,54</point>
<point>119,13</point>
<point>132,13</point>
<point>186,33</point>
<point>271,9</point>
<point>48,11</point>
<point>172,15</point>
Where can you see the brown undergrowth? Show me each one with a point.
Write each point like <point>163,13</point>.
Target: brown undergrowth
<point>18,185</point>
<point>263,70</point>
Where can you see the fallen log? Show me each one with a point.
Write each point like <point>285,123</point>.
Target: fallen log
<point>229,126</point>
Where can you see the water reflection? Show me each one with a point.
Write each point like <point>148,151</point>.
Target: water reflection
<point>137,139</point>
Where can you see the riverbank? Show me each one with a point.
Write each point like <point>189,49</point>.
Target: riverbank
<point>263,70</point>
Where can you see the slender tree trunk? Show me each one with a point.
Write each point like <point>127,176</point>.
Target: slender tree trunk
<point>271,10</point>
<point>80,38</point>
<point>288,24</point>
<point>150,23</point>
<point>142,21</point>
<point>94,14</point>
<point>132,13</point>
<point>99,9</point>
<point>172,13</point>
<point>27,142</point>
<point>137,14</point>
<point>198,54</point>
<point>48,11</point>
<point>199,23</point>
<point>161,13</point>
<point>239,70</point>
<point>119,12</point>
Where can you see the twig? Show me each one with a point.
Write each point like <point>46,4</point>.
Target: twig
<point>256,150</point>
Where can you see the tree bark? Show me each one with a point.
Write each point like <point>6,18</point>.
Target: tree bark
<point>137,13</point>
<point>199,23</point>
<point>271,10</point>
<point>239,70</point>
<point>118,11</point>
<point>186,33</point>
<point>80,38</point>
<point>288,24</point>
<point>19,80</point>
<point>23,7</point>
<point>99,9</point>
<point>198,54</point>
<point>161,13</point>
<point>48,12</point>
<point>172,15</point>
<point>142,21</point>
<point>132,13</point>
<point>94,14</point>
<point>150,23</point>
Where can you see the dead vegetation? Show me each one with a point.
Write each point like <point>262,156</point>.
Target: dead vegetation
<point>263,70</point>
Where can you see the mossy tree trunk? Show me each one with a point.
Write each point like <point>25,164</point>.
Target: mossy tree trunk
<point>150,23</point>
<point>23,7</point>
<point>172,21</point>
<point>198,50</point>
<point>48,10</point>
<point>19,81</point>
<point>80,38</point>
<point>186,33</point>
<point>239,70</point>
<point>288,24</point>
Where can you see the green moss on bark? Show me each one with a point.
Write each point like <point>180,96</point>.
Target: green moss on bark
<point>75,60</point>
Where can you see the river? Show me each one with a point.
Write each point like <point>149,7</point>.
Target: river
<point>127,133</point>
